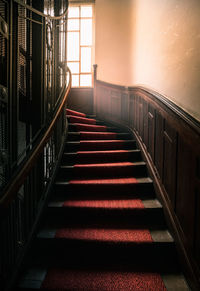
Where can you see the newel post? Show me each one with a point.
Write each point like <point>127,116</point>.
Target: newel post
<point>95,90</point>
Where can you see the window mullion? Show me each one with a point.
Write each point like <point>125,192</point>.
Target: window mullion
<point>80,76</point>
<point>79,45</point>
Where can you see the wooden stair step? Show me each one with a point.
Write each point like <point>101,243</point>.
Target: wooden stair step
<point>106,213</point>
<point>96,144</point>
<point>76,135</point>
<point>126,169</point>
<point>91,157</point>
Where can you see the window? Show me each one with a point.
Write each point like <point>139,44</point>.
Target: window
<point>80,44</point>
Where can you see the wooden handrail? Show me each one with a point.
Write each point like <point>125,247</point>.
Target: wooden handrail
<point>10,191</point>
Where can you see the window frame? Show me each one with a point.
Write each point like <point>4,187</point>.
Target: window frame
<point>79,5</point>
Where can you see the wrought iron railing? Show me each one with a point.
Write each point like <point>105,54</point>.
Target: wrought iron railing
<point>34,85</point>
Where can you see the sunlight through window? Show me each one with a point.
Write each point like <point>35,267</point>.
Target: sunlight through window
<point>79,44</point>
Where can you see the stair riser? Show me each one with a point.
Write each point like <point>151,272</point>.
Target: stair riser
<point>110,190</point>
<point>136,171</point>
<point>61,196</point>
<point>147,255</point>
<point>76,137</point>
<point>107,218</point>
<point>73,127</point>
<point>98,122</point>
<point>124,146</point>
<point>70,159</point>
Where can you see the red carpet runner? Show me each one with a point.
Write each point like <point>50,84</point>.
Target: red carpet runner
<point>59,279</point>
<point>102,165</point>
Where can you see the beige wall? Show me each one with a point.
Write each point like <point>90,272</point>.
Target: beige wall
<point>114,41</point>
<point>155,43</point>
<point>167,50</point>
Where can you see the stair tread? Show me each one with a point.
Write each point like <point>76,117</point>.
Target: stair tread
<point>73,142</point>
<point>124,213</point>
<point>103,152</point>
<point>74,113</point>
<point>80,117</point>
<point>104,165</point>
<point>120,181</point>
<point>90,125</point>
<point>129,204</point>
<point>34,277</point>
<point>83,233</point>
<point>97,133</point>
<point>85,120</point>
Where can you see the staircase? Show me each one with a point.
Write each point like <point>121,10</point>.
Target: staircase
<point>103,229</point>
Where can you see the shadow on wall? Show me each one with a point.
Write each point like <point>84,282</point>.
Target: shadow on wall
<point>81,99</point>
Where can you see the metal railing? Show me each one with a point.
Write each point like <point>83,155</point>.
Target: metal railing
<point>34,85</point>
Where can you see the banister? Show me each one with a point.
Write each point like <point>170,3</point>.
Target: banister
<point>11,190</point>
<point>34,125</point>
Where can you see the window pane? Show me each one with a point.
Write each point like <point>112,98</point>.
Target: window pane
<point>86,11</point>
<point>73,12</point>
<point>75,80</point>
<point>86,31</point>
<point>73,24</point>
<point>73,46</point>
<point>74,67</point>
<point>86,60</point>
<point>85,80</point>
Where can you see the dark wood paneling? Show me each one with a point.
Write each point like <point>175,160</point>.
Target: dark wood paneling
<point>131,112</point>
<point>151,130</point>
<point>81,99</point>
<point>115,106</point>
<point>185,201</point>
<point>137,109</point>
<point>125,107</point>
<point>171,140</point>
<point>145,118</point>
<point>141,118</point>
<point>170,160</point>
<point>197,218</point>
<point>159,144</point>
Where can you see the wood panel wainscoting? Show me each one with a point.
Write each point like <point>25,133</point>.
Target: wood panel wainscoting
<point>170,141</point>
<point>81,99</point>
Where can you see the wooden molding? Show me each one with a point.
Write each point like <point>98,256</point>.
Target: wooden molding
<point>191,121</point>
